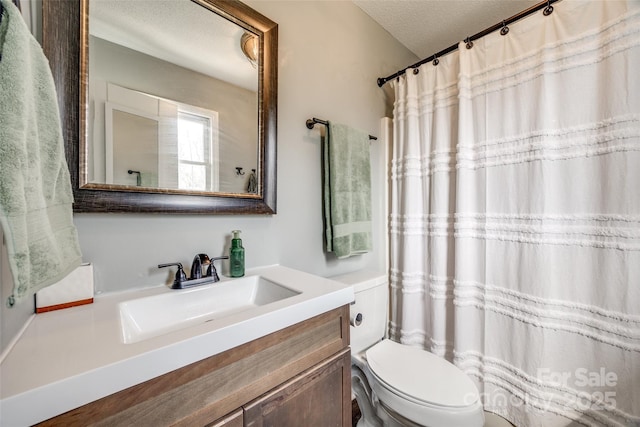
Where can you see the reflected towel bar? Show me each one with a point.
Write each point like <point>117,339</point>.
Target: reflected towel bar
<point>312,122</point>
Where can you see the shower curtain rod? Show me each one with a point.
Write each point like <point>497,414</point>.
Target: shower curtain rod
<point>548,9</point>
<point>312,122</point>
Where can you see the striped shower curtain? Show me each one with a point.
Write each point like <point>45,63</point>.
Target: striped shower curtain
<point>515,217</point>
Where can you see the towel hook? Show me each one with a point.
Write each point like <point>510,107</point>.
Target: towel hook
<point>138,177</point>
<point>239,170</point>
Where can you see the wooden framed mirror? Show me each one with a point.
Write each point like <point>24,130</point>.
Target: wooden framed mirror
<point>137,181</point>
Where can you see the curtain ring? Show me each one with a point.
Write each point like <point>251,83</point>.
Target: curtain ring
<point>548,10</point>
<point>504,29</point>
<point>416,70</point>
<point>436,61</point>
<point>468,42</point>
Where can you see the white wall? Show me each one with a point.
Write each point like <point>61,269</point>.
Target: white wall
<point>11,320</point>
<point>330,54</point>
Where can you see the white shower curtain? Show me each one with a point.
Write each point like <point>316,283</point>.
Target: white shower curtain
<point>515,217</point>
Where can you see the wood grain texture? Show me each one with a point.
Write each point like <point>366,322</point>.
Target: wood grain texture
<point>235,419</point>
<point>314,398</point>
<point>207,390</point>
<point>59,20</point>
<point>65,33</point>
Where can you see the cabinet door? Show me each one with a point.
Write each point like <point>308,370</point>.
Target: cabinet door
<point>234,419</point>
<point>319,397</point>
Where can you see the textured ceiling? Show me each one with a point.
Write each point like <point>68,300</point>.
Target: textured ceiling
<point>428,26</point>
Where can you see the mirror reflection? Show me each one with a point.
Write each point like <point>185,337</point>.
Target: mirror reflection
<point>173,98</point>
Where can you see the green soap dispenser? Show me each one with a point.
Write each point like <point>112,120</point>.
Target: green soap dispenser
<point>236,256</point>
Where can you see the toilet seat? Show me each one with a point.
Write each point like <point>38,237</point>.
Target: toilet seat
<point>420,377</point>
<point>396,385</point>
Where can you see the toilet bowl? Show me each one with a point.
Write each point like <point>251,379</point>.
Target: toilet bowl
<point>398,385</point>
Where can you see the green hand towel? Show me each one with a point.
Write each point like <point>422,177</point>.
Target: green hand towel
<point>347,191</point>
<point>35,188</point>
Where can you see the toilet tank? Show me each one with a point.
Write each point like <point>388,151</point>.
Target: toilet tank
<point>372,303</point>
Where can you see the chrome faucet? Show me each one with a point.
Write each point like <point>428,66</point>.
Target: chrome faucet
<point>211,276</point>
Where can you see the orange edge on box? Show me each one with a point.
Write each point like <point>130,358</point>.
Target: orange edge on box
<point>65,305</point>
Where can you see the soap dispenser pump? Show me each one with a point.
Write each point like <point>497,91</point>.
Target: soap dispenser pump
<point>236,255</point>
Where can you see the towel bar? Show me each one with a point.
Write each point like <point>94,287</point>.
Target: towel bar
<point>312,122</point>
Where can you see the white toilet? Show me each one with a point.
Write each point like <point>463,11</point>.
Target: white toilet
<point>397,385</point>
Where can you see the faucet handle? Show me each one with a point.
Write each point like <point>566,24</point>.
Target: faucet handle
<point>211,270</point>
<point>180,274</point>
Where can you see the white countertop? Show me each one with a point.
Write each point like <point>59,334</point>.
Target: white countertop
<point>71,357</point>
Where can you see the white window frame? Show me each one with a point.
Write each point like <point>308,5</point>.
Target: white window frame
<point>213,163</point>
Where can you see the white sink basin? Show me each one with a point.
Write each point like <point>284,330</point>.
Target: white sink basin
<point>149,317</point>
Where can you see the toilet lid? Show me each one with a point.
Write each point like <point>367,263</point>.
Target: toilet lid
<point>421,375</point>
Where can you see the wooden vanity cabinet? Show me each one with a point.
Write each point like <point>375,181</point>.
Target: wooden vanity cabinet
<point>298,376</point>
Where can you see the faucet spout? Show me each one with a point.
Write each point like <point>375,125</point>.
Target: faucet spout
<point>196,267</point>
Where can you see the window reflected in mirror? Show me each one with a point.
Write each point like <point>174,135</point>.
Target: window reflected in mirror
<point>198,165</point>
